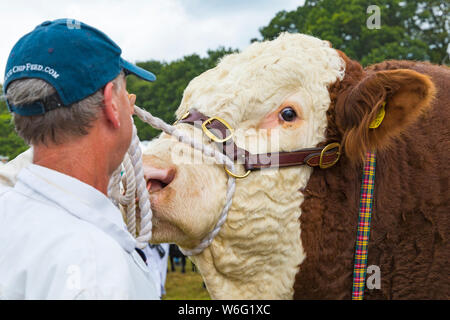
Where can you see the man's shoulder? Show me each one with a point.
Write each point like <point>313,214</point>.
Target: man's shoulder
<point>11,196</point>
<point>26,209</point>
<point>73,255</point>
<point>106,269</point>
<point>98,255</point>
<point>84,238</point>
<point>51,226</point>
<point>71,236</point>
<point>9,171</point>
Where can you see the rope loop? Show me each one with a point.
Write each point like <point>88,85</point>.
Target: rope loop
<point>130,176</point>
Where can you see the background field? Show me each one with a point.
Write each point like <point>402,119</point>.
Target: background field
<point>185,286</point>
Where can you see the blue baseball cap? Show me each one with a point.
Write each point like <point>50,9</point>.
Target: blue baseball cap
<point>75,58</point>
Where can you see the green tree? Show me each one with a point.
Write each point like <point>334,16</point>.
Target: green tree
<point>415,30</point>
<point>410,29</point>
<point>432,25</point>
<point>10,143</point>
<point>163,96</point>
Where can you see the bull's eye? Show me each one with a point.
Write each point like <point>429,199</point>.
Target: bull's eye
<point>288,114</point>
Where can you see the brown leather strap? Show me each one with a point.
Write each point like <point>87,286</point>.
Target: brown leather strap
<point>228,148</point>
<point>309,156</point>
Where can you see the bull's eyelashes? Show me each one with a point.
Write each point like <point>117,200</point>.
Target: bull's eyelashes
<point>288,114</point>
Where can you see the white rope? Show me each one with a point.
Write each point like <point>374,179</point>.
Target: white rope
<point>134,184</point>
<point>129,198</point>
<point>206,150</point>
<point>145,232</point>
<point>114,186</point>
<point>125,202</point>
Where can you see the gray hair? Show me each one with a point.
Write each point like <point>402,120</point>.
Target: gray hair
<point>58,125</point>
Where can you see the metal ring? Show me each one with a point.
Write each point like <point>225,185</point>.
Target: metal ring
<point>211,135</point>
<point>184,116</point>
<point>235,175</point>
<point>328,147</point>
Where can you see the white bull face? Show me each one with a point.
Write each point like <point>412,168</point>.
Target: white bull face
<point>275,96</point>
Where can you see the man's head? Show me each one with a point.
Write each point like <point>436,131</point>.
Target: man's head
<point>66,80</point>
<point>105,114</point>
<point>58,125</point>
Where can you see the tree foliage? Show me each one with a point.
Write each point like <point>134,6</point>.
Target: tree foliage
<point>414,30</point>
<point>10,143</point>
<point>410,29</point>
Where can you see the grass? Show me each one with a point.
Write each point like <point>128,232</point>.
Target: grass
<point>185,286</point>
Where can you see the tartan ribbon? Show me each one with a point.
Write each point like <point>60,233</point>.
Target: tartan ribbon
<point>364,218</point>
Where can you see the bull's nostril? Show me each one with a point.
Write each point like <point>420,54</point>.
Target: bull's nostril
<point>154,185</point>
<point>158,179</point>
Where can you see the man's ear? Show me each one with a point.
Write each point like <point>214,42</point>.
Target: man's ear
<point>403,94</point>
<point>110,109</point>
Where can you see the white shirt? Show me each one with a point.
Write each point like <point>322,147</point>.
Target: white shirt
<point>63,239</point>
<point>158,266</point>
<point>9,171</point>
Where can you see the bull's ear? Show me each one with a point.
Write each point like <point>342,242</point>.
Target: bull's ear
<point>379,107</point>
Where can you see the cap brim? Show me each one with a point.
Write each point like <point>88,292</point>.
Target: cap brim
<point>137,71</point>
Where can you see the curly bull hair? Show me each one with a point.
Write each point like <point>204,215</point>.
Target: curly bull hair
<point>409,238</point>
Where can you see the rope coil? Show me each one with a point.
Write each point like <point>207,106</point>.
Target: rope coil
<point>134,185</point>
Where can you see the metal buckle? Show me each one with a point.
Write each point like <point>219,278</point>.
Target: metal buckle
<point>211,135</point>
<point>328,147</point>
<point>184,116</point>
<point>235,175</point>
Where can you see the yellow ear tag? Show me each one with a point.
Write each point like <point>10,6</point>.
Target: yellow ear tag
<point>379,118</point>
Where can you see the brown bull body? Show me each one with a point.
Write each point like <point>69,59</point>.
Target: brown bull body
<point>409,237</point>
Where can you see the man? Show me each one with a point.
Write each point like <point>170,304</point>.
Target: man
<point>60,235</point>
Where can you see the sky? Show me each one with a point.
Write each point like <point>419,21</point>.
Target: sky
<point>163,30</point>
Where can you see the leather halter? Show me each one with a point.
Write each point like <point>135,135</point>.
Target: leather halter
<point>220,131</point>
